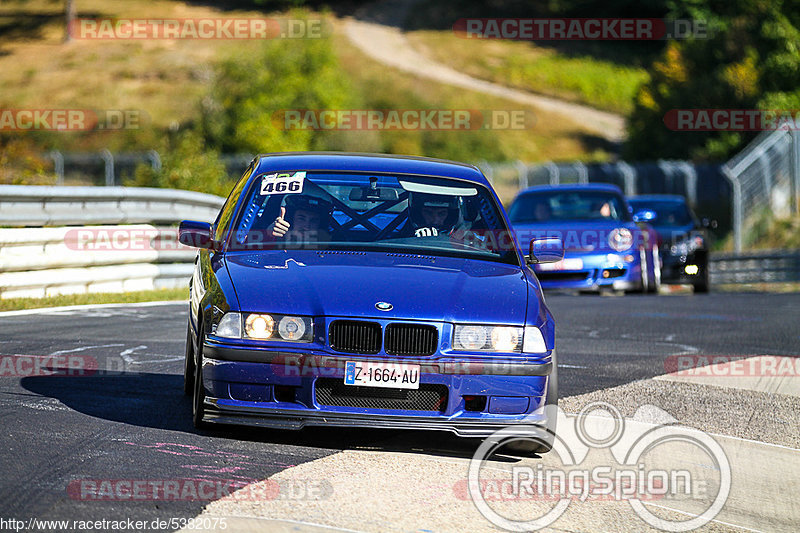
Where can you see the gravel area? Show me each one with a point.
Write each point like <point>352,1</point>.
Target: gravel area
<point>765,417</point>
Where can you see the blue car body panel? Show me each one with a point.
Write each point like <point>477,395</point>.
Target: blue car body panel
<point>246,381</point>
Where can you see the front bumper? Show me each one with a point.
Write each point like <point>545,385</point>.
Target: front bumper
<point>249,386</point>
<point>596,272</point>
<point>673,267</point>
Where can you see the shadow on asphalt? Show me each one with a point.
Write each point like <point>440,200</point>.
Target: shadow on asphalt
<point>157,401</point>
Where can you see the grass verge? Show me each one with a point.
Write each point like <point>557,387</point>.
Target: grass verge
<point>595,82</point>
<point>15,304</point>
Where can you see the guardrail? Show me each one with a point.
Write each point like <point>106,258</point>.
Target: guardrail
<point>31,205</point>
<point>133,248</point>
<point>767,266</point>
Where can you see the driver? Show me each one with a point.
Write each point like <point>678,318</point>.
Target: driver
<point>303,218</point>
<point>433,214</point>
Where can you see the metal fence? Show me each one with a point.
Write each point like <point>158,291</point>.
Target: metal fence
<point>765,178</point>
<point>130,245</point>
<point>761,182</point>
<point>764,266</point>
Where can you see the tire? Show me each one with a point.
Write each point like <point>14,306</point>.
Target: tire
<point>702,285</point>
<point>656,285</point>
<point>199,391</point>
<point>188,363</point>
<point>528,447</point>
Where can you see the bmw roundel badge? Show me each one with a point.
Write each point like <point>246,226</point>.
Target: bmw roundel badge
<point>384,306</point>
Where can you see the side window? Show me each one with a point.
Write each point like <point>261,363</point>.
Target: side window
<point>226,213</point>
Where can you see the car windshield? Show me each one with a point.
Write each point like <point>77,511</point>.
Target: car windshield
<point>398,214</point>
<point>547,206</point>
<point>667,213</point>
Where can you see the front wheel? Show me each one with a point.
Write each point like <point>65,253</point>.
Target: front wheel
<point>188,363</point>
<point>656,285</point>
<point>199,391</point>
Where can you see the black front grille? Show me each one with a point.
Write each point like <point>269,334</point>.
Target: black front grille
<point>355,336</point>
<point>429,397</point>
<point>411,339</point>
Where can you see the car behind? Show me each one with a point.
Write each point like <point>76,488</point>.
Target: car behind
<point>605,249</point>
<point>683,239</point>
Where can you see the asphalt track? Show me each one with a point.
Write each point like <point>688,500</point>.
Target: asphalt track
<point>134,423</point>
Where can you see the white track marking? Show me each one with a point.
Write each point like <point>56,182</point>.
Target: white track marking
<point>126,354</point>
<point>84,348</point>
<point>88,307</point>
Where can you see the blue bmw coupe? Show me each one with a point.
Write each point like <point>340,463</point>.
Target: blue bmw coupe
<point>605,249</point>
<point>362,290</point>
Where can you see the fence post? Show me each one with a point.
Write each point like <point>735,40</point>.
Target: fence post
<point>690,181</point>
<point>155,160</point>
<point>488,171</point>
<point>583,172</point>
<point>58,165</point>
<point>522,170</point>
<point>553,172</point>
<point>108,157</point>
<point>795,188</point>
<point>629,175</point>
<point>737,208</point>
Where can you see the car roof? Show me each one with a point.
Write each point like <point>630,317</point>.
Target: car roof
<point>369,163</point>
<point>659,197</point>
<point>606,187</point>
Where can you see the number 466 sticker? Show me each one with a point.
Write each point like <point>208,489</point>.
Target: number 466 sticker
<point>282,183</point>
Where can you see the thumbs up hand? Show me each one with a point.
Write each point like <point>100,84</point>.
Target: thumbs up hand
<point>280,226</point>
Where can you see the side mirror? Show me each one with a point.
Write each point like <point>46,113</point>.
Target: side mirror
<point>545,251</point>
<point>195,234</point>
<point>645,215</point>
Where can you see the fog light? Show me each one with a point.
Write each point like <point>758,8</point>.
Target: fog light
<point>691,269</point>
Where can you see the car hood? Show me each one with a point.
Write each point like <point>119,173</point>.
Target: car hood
<point>345,283</point>
<point>576,236</point>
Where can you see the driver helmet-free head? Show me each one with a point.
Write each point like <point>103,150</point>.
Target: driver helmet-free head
<point>440,211</point>
<point>311,204</point>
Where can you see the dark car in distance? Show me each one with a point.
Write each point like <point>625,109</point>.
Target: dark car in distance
<point>683,239</point>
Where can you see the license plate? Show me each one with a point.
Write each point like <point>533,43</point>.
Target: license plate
<point>564,264</point>
<point>388,375</point>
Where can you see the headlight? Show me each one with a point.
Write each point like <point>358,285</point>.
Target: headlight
<point>263,326</point>
<point>259,326</point>
<point>687,246</point>
<point>230,326</point>
<point>534,340</point>
<point>620,239</point>
<point>487,338</point>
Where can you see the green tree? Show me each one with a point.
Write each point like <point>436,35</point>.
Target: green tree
<point>750,61</point>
